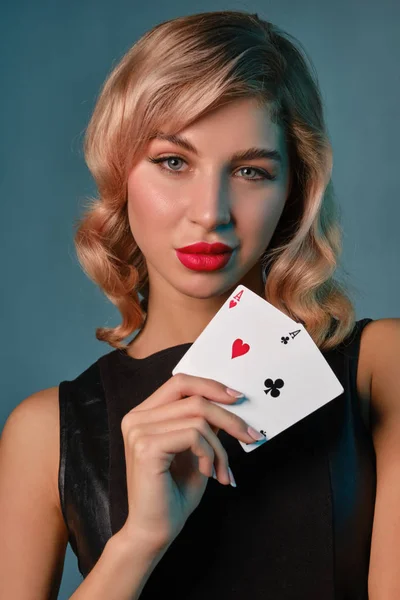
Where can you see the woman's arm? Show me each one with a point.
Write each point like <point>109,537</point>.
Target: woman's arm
<point>34,536</point>
<point>121,571</point>
<point>384,353</point>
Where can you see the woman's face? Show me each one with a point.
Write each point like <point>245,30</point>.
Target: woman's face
<point>207,197</point>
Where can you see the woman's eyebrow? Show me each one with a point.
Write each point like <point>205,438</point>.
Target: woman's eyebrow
<point>249,154</point>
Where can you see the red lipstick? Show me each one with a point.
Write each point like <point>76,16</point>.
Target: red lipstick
<point>204,248</point>
<point>205,257</point>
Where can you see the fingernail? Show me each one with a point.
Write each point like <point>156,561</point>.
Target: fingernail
<point>214,474</point>
<point>256,435</point>
<point>231,477</point>
<point>234,393</point>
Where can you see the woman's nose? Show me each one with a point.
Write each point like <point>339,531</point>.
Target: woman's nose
<point>211,206</point>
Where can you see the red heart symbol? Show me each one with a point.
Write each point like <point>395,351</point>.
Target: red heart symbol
<point>232,303</point>
<point>239,348</point>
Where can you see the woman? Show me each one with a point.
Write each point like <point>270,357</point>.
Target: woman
<point>118,461</point>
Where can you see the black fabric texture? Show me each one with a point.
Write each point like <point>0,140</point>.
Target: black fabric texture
<point>298,524</point>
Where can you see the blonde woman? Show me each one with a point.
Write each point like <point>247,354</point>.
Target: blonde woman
<point>210,129</point>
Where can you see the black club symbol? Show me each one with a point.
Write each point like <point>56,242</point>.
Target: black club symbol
<point>273,386</point>
<point>284,340</point>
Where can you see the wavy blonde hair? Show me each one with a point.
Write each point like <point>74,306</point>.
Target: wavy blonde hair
<point>175,73</point>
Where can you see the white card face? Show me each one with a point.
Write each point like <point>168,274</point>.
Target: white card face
<point>251,346</point>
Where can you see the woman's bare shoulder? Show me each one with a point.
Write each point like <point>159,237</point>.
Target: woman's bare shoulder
<point>38,417</point>
<point>377,377</point>
<point>34,535</point>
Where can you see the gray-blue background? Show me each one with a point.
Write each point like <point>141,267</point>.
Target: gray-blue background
<point>54,57</point>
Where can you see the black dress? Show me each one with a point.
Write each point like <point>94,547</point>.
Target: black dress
<point>298,525</point>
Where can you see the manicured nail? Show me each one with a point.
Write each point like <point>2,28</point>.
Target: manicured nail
<point>231,477</point>
<point>234,393</point>
<point>256,435</point>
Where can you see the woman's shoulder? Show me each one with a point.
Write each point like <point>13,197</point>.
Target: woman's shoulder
<point>89,379</point>
<point>379,352</point>
<point>378,364</point>
<point>39,412</point>
<point>35,422</point>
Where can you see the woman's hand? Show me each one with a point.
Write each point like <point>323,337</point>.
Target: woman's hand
<point>171,445</point>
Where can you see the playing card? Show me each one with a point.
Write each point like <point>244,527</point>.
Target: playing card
<point>251,346</point>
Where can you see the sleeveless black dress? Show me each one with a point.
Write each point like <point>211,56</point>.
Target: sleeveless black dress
<point>298,525</point>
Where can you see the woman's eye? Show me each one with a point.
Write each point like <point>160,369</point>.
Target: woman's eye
<point>163,159</point>
<point>168,158</point>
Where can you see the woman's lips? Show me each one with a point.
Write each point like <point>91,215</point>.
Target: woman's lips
<point>206,248</point>
<point>204,262</point>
